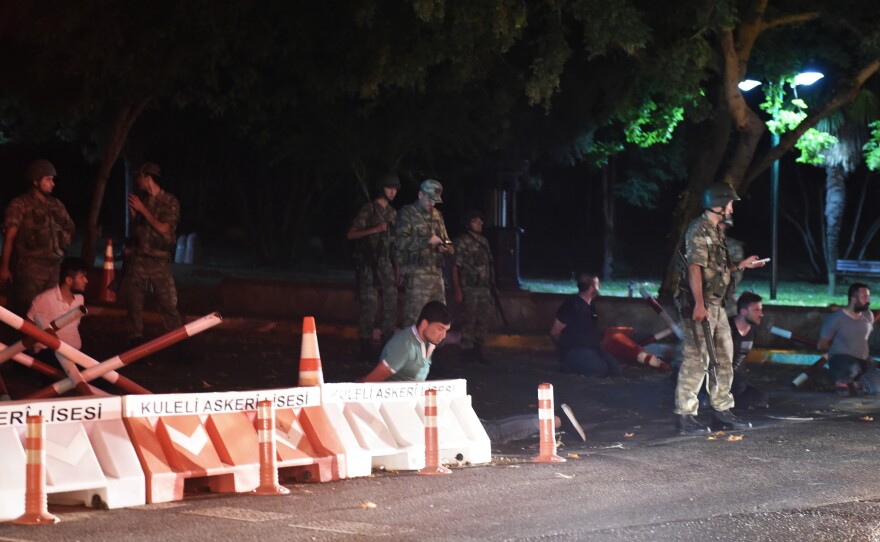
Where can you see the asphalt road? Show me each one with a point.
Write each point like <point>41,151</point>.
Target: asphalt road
<point>806,472</point>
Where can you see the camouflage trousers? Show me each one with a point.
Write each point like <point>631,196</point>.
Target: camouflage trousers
<point>139,272</point>
<point>31,277</point>
<point>476,312</point>
<point>368,297</point>
<point>422,284</point>
<point>695,364</point>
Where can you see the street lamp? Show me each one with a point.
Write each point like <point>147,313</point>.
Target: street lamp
<point>806,79</point>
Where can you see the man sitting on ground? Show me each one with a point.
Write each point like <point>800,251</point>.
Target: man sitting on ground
<point>407,357</point>
<point>749,312</point>
<point>844,335</point>
<point>56,301</point>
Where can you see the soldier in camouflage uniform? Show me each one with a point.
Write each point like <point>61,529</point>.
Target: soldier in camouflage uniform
<point>701,296</point>
<point>737,252</point>
<point>37,232</point>
<point>155,214</point>
<point>473,277</point>
<point>420,242</point>
<point>372,230</point>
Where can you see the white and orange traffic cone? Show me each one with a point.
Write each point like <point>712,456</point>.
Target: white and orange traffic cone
<point>268,460</point>
<point>432,437</point>
<point>108,273</point>
<point>546,426</point>
<point>621,346</point>
<point>310,372</point>
<point>36,511</point>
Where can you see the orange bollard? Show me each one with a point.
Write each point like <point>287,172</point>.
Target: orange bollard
<point>105,294</point>
<point>546,426</point>
<point>432,437</point>
<point>310,372</point>
<point>268,460</point>
<point>36,510</point>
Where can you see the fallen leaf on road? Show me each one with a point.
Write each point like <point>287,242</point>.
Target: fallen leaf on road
<point>574,456</point>
<point>628,435</point>
<point>367,505</point>
<point>566,476</point>
<point>867,419</point>
<point>732,438</point>
<point>205,384</point>
<point>711,437</point>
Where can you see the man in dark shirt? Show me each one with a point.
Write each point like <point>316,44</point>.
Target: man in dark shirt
<point>749,312</point>
<point>577,336</point>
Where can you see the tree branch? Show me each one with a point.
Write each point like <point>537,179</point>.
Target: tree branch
<point>791,19</point>
<point>788,140</point>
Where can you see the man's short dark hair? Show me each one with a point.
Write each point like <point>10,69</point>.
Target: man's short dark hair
<point>433,312</point>
<point>746,299</point>
<point>854,290</point>
<point>70,267</point>
<point>585,281</point>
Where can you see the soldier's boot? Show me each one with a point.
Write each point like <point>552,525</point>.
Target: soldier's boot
<point>725,419</point>
<point>366,352</point>
<point>688,425</point>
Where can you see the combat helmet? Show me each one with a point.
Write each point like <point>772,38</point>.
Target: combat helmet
<point>718,194</point>
<point>387,180</point>
<point>38,169</point>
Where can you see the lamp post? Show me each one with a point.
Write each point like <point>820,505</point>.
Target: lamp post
<point>805,78</point>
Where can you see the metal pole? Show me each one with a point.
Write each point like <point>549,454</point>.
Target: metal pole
<point>774,219</point>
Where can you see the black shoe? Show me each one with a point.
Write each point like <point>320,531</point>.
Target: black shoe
<point>726,420</point>
<point>688,425</point>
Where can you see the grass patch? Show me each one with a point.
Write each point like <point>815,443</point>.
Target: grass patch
<point>797,294</point>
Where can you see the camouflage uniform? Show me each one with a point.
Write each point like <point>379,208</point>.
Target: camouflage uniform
<point>420,262</point>
<point>148,259</point>
<point>707,248</point>
<point>44,233</point>
<point>375,270</point>
<point>737,252</point>
<point>475,267</point>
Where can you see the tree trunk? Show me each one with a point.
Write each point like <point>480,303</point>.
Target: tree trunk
<point>122,123</point>
<point>608,174</point>
<point>835,202</point>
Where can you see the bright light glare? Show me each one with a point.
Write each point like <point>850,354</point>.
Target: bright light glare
<point>807,78</point>
<point>748,85</point>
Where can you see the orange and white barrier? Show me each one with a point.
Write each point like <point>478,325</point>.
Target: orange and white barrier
<point>432,440</point>
<point>381,424</point>
<point>547,426</point>
<point>211,436</point>
<point>9,352</point>
<point>268,460</point>
<point>89,457</point>
<point>36,505</point>
<point>617,342</point>
<point>108,273</point>
<point>310,371</point>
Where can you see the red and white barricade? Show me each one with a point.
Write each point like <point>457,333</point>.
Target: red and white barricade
<point>212,439</point>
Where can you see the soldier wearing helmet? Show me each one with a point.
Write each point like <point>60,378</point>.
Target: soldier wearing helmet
<point>155,214</point>
<point>372,231</point>
<point>706,272</point>
<point>37,232</point>
<point>421,242</point>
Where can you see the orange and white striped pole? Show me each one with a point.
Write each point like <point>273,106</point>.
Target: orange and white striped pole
<point>310,371</point>
<point>546,420</point>
<point>108,273</point>
<point>268,460</point>
<point>107,368</point>
<point>36,511</point>
<point>432,437</point>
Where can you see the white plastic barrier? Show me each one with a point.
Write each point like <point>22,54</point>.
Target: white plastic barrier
<point>89,458</point>
<point>386,424</point>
